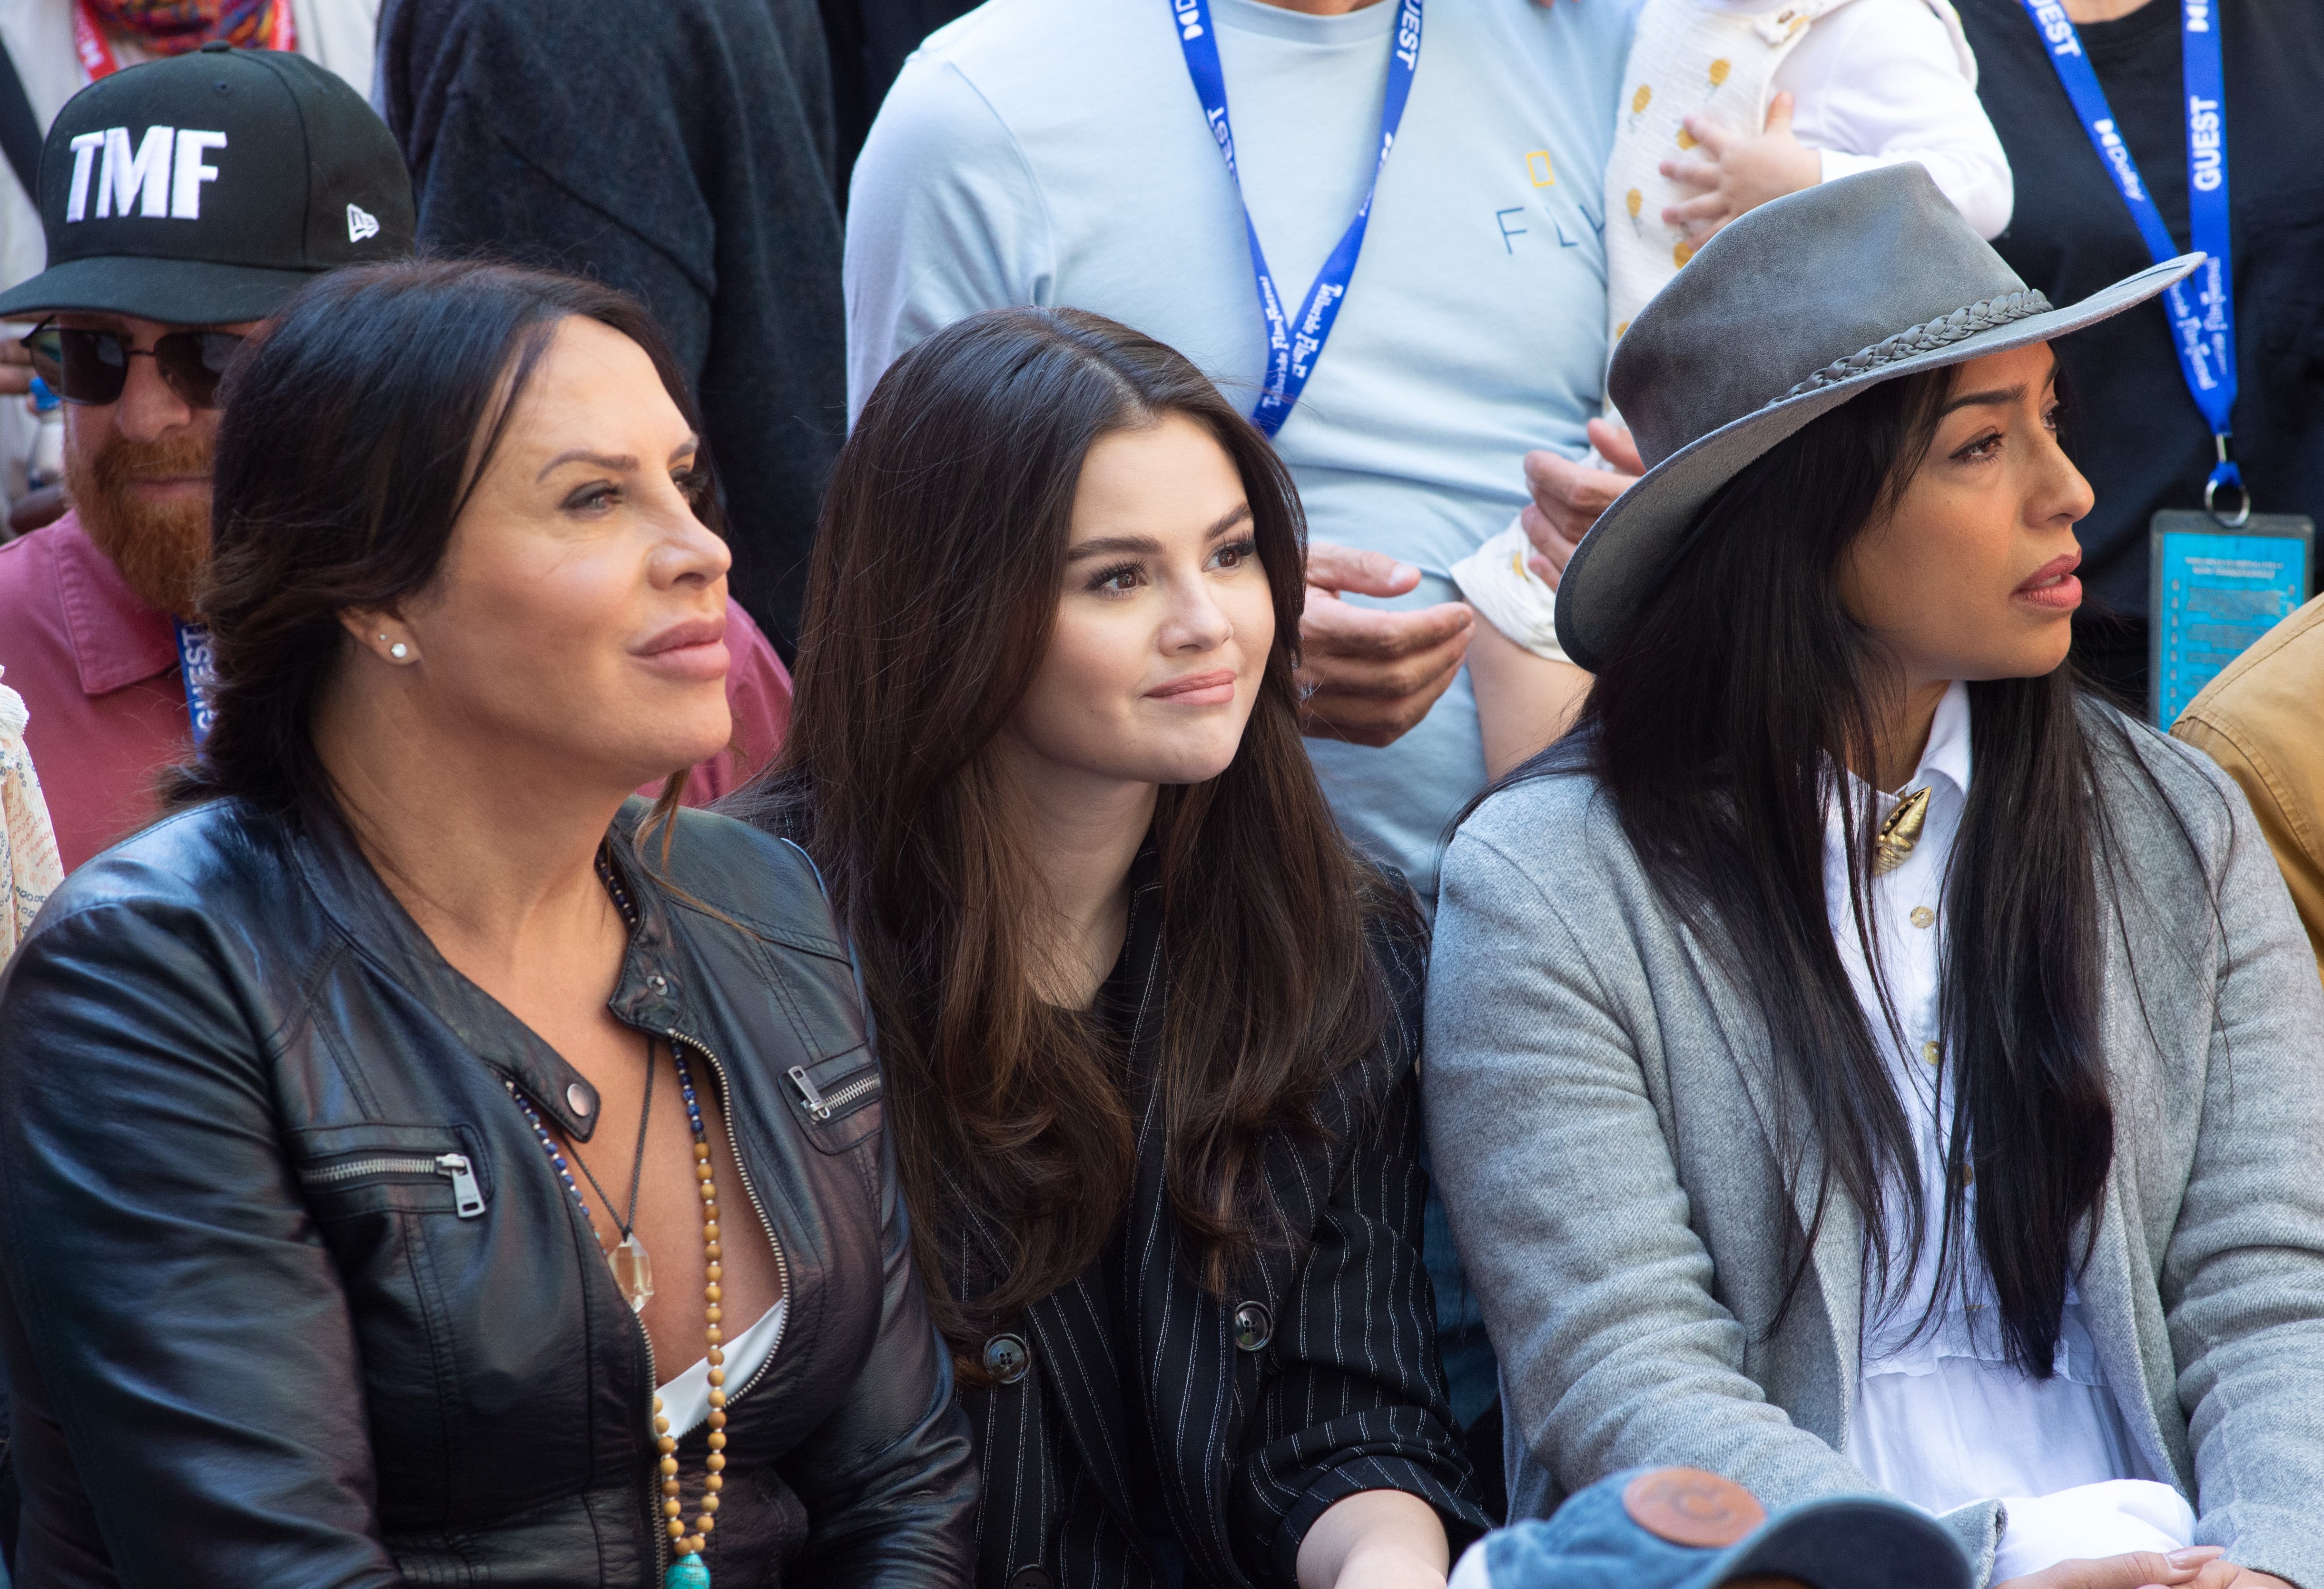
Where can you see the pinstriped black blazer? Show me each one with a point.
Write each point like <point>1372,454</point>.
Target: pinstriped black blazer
<point>1246,1448</point>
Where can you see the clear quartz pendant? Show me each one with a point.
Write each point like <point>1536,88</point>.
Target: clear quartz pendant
<point>632,1272</point>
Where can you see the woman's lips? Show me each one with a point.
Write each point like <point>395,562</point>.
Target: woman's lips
<point>694,649</point>
<point>2052,585</point>
<point>1215,687</point>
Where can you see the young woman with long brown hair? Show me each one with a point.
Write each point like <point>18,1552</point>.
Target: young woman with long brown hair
<point>1148,1023</point>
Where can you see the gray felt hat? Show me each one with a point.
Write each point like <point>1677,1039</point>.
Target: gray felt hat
<point>1787,313</point>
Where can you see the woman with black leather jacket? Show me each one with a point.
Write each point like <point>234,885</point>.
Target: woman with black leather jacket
<point>384,1133</point>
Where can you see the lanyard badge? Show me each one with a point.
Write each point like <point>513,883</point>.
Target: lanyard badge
<point>2217,581</point>
<point>199,665</point>
<point>2203,309</point>
<point>1293,343</point>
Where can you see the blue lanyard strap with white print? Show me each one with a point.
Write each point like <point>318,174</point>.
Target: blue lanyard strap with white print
<point>2203,309</point>
<point>199,664</point>
<point>1293,343</point>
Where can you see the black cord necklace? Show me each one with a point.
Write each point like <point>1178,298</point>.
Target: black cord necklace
<point>632,1270</point>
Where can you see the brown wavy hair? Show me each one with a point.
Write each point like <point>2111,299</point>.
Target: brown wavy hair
<point>930,603</point>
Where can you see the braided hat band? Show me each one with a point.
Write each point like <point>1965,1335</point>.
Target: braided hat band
<point>1985,315</point>
<point>1695,373</point>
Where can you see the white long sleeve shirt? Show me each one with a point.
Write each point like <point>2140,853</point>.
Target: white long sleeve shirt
<point>1941,1418</point>
<point>1881,82</point>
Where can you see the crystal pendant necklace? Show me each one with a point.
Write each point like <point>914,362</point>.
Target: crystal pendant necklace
<point>636,1283</point>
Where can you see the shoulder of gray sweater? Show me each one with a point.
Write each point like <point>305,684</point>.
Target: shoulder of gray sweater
<point>1558,825</point>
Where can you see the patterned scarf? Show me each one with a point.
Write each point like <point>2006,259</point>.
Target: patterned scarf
<point>173,27</point>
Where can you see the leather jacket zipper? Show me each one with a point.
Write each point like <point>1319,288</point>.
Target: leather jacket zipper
<point>468,1200</point>
<point>825,1104</point>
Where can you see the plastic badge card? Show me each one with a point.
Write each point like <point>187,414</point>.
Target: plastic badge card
<point>2213,591</point>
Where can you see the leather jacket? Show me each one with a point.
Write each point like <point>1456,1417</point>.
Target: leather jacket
<point>290,1293</point>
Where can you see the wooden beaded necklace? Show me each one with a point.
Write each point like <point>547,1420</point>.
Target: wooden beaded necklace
<point>687,1572</point>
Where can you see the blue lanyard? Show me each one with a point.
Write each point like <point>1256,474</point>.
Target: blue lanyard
<point>1292,346</point>
<point>2203,309</point>
<point>199,665</point>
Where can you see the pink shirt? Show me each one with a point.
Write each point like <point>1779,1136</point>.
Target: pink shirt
<point>98,670</point>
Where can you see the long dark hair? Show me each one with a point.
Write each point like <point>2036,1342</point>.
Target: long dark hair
<point>355,425</point>
<point>930,603</point>
<point>1720,726</point>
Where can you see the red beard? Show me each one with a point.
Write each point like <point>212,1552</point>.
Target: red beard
<point>160,550</point>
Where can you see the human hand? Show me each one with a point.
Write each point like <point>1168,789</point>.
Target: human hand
<point>1742,172</point>
<point>1367,676</point>
<point>15,368</point>
<point>1568,497</point>
<point>2223,1574</point>
<point>2197,1566</point>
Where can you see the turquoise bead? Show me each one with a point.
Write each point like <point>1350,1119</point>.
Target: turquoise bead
<point>688,1572</point>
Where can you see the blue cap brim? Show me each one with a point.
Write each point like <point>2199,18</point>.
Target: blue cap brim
<point>1845,1542</point>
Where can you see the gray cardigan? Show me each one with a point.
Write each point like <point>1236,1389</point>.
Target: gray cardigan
<point>1602,1113</point>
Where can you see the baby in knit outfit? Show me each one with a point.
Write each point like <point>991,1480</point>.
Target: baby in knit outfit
<point>1728,104</point>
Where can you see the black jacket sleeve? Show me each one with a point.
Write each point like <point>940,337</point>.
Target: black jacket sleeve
<point>1359,1400</point>
<point>891,1478</point>
<point>145,1211</point>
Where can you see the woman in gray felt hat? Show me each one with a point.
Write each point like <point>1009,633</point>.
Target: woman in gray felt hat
<point>1860,1059</point>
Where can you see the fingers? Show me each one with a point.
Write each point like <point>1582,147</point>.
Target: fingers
<point>1333,567</point>
<point>1370,702</point>
<point>2137,1569</point>
<point>1551,547</point>
<point>1617,445</point>
<point>15,378</point>
<point>1330,631</point>
<point>1708,210</point>
<point>1779,114</point>
<point>1709,133</point>
<point>1694,173</point>
<point>1571,495</point>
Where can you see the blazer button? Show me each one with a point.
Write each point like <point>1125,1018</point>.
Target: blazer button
<point>1253,1327</point>
<point>1031,1578</point>
<point>1006,1359</point>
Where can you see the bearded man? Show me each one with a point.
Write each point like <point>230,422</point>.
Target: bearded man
<point>183,201</point>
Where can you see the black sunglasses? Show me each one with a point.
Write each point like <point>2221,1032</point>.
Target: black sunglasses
<point>91,367</point>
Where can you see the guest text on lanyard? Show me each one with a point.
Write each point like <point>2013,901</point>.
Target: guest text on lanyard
<point>199,665</point>
<point>1293,346</point>
<point>95,51</point>
<point>2203,309</point>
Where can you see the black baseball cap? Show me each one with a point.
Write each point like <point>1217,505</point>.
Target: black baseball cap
<point>205,188</point>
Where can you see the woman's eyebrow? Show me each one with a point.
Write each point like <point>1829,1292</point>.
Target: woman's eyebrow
<point>618,463</point>
<point>1999,397</point>
<point>1146,545</point>
<point>1107,546</point>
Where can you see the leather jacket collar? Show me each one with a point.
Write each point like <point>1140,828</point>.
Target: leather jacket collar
<point>649,995</point>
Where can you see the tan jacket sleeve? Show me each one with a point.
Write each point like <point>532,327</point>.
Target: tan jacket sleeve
<point>2263,720</point>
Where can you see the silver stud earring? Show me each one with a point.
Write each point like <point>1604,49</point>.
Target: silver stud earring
<point>398,650</point>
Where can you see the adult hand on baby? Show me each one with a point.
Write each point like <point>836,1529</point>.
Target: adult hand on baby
<point>1568,497</point>
<point>2198,1566</point>
<point>1367,676</point>
<point>1742,172</point>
